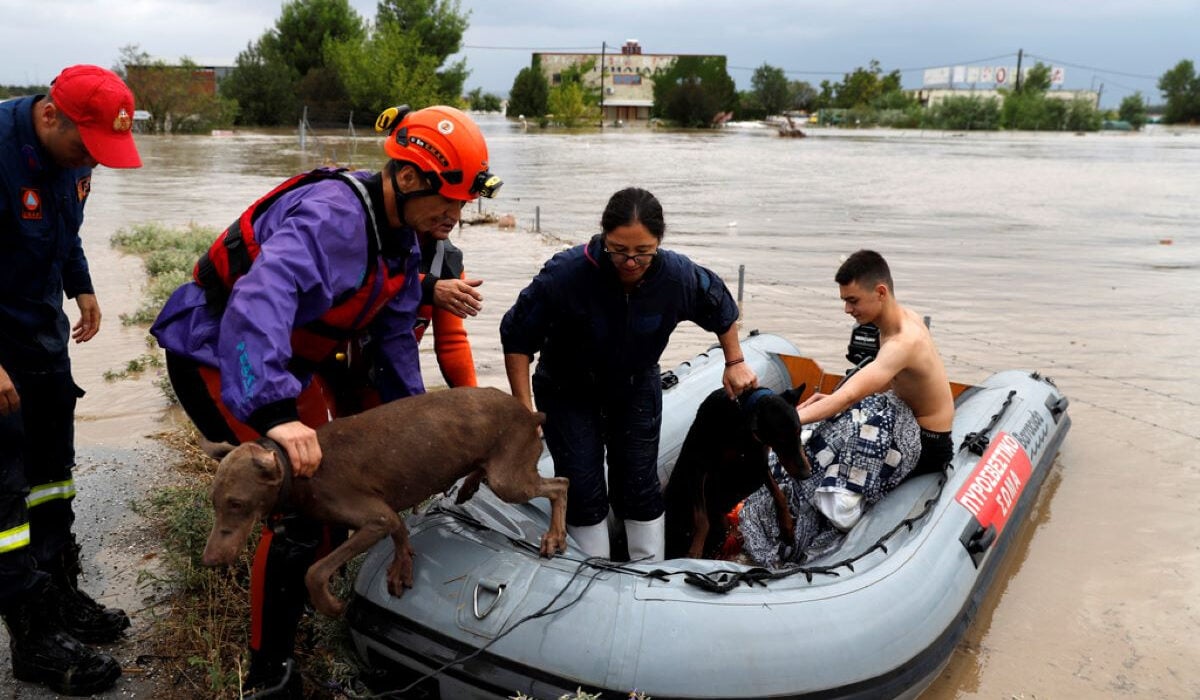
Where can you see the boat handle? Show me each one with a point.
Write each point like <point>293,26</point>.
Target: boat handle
<point>1057,405</point>
<point>977,539</point>
<point>492,587</point>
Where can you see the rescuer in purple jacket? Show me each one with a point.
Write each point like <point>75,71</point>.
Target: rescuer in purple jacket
<point>303,310</point>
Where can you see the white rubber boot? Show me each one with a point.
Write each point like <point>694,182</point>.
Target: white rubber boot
<point>592,539</point>
<point>647,539</point>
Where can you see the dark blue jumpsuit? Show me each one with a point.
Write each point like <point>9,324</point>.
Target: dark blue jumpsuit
<point>597,378</point>
<point>41,257</point>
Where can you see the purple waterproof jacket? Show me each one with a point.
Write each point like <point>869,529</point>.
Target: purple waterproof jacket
<point>314,254</point>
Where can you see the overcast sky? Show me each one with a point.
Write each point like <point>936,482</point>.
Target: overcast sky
<point>1123,45</point>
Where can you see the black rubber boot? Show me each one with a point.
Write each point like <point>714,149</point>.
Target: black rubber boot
<point>271,678</point>
<point>43,654</point>
<point>78,614</point>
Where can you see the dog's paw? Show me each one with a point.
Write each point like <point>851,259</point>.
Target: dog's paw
<point>324,601</point>
<point>330,606</point>
<point>397,587</point>
<point>400,574</point>
<point>553,543</point>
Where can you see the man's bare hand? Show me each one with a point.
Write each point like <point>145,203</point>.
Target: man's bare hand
<point>459,297</point>
<point>300,443</point>
<point>738,378</point>
<point>10,402</point>
<point>88,324</point>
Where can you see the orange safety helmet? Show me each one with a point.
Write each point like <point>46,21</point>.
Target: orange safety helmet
<point>445,144</point>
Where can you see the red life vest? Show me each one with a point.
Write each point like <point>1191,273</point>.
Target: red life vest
<point>234,251</point>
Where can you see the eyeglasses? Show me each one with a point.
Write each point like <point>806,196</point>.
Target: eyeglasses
<point>640,259</point>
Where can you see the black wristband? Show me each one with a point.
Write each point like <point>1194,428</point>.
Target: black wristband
<point>273,414</point>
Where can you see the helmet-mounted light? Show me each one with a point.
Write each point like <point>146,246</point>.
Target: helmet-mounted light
<point>390,117</point>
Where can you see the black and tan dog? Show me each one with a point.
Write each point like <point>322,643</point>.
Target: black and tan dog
<point>724,459</point>
<point>382,461</point>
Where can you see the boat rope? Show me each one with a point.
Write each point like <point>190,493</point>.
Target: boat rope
<point>977,442</point>
<point>725,580</point>
<point>547,609</point>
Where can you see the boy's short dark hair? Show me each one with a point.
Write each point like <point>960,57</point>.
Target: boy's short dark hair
<point>866,267</point>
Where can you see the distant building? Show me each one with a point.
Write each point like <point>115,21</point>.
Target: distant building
<point>203,79</point>
<point>628,87</point>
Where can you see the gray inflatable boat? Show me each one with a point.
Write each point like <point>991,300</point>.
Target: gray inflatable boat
<point>877,617</point>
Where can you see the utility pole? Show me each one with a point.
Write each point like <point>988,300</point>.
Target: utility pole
<point>1098,94</point>
<point>603,49</point>
<point>1020,52</point>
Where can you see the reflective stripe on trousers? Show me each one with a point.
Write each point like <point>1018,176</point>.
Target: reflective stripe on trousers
<point>14,538</point>
<point>49,492</point>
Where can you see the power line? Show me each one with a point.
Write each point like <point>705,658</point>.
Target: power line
<point>1093,68</point>
<point>902,70</point>
<point>530,48</point>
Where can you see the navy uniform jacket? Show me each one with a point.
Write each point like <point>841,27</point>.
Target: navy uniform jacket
<point>41,256</point>
<point>591,333</point>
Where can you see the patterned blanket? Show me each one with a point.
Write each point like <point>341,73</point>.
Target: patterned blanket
<point>858,457</point>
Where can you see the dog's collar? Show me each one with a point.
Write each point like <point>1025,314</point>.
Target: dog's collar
<point>284,503</point>
<point>747,401</point>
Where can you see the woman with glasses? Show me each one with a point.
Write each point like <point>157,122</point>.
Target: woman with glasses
<point>600,315</point>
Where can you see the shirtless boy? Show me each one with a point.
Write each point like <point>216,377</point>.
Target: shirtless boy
<point>908,362</point>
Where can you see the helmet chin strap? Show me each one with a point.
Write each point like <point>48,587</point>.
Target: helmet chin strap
<point>402,197</point>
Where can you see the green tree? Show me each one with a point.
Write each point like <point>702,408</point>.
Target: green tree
<point>693,90</point>
<point>304,26</point>
<point>530,92</point>
<point>482,101</point>
<point>438,27</point>
<point>386,68</point>
<point>286,68</point>
<point>176,96</point>
<point>964,114</point>
<point>263,87</point>
<point>1031,109</point>
<point>802,96</point>
<point>862,87</point>
<point>572,102</point>
<point>1133,110</point>
<point>1082,115</point>
<point>770,87</point>
<point>299,38</point>
<point>1037,80</point>
<point>569,105</point>
<point>1181,87</point>
<point>826,96</point>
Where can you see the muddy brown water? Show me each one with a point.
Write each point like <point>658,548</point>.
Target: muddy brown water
<point>1074,255</point>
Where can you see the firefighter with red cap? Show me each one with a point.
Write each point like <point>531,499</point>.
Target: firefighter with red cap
<point>49,145</point>
<point>303,310</point>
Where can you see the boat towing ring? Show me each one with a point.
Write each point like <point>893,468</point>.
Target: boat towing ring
<point>493,587</point>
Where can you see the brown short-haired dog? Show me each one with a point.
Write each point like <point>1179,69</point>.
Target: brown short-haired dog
<point>382,461</point>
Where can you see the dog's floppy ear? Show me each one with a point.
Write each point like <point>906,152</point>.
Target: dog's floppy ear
<point>792,396</point>
<point>266,466</point>
<point>216,450</point>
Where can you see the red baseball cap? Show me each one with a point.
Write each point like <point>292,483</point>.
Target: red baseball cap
<point>101,106</point>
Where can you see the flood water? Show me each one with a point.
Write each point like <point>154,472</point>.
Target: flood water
<point>1078,256</point>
